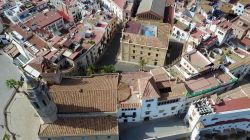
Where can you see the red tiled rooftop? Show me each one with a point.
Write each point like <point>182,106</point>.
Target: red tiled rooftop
<point>246,42</point>
<point>225,25</point>
<point>44,19</point>
<point>120,3</point>
<point>197,33</point>
<point>206,81</point>
<point>132,27</point>
<point>169,2</point>
<point>230,105</point>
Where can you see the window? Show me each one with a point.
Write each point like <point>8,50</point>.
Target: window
<point>149,54</point>
<point>123,114</point>
<point>36,105</point>
<point>155,63</point>
<point>150,100</point>
<point>148,105</point>
<point>147,112</point>
<point>140,58</point>
<point>156,55</point>
<point>161,111</point>
<point>133,51</point>
<point>214,119</point>
<point>190,118</point>
<point>141,47</point>
<point>141,52</point>
<point>133,57</point>
<point>44,103</point>
<point>134,114</point>
<point>173,108</point>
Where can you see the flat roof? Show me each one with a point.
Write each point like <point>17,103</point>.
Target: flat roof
<point>196,59</point>
<point>161,39</point>
<point>208,80</point>
<point>132,27</point>
<point>233,104</point>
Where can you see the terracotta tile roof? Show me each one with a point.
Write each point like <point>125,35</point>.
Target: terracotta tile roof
<point>80,126</point>
<point>132,77</point>
<point>78,95</point>
<point>132,27</point>
<point>85,101</point>
<point>234,104</point>
<point>225,25</point>
<point>44,19</point>
<point>170,2</point>
<point>161,40</point>
<point>148,88</point>
<point>159,74</point>
<point>38,42</point>
<point>246,42</point>
<point>120,3</point>
<point>123,92</point>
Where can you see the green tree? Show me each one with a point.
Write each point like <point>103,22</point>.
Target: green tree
<point>12,83</point>
<point>108,69</point>
<point>6,137</point>
<point>91,69</point>
<point>142,63</point>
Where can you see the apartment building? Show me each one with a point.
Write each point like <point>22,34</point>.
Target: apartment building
<point>69,9</point>
<point>192,63</point>
<point>145,96</point>
<point>145,40</point>
<point>27,43</point>
<point>218,114</point>
<point>23,11</point>
<point>49,20</point>
<point>241,25</point>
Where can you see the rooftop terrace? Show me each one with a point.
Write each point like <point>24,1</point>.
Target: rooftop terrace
<point>151,34</point>
<point>197,60</point>
<point>206,82</point>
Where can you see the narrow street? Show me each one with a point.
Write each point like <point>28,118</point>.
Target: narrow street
<point>171,127</point>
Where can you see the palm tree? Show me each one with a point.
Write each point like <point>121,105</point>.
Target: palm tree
<point>12,83</point>
<point>142,63</point>
<point>90,70</point>
<point>108,69</point>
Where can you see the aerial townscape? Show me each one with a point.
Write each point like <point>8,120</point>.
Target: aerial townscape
<point>125,69</point>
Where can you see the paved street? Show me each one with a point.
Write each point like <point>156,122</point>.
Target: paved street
<point>159,128</point>
<point>8,71</point>
<point>22,119</point>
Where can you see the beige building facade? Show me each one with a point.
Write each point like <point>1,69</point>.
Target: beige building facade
<point>145,41</point>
